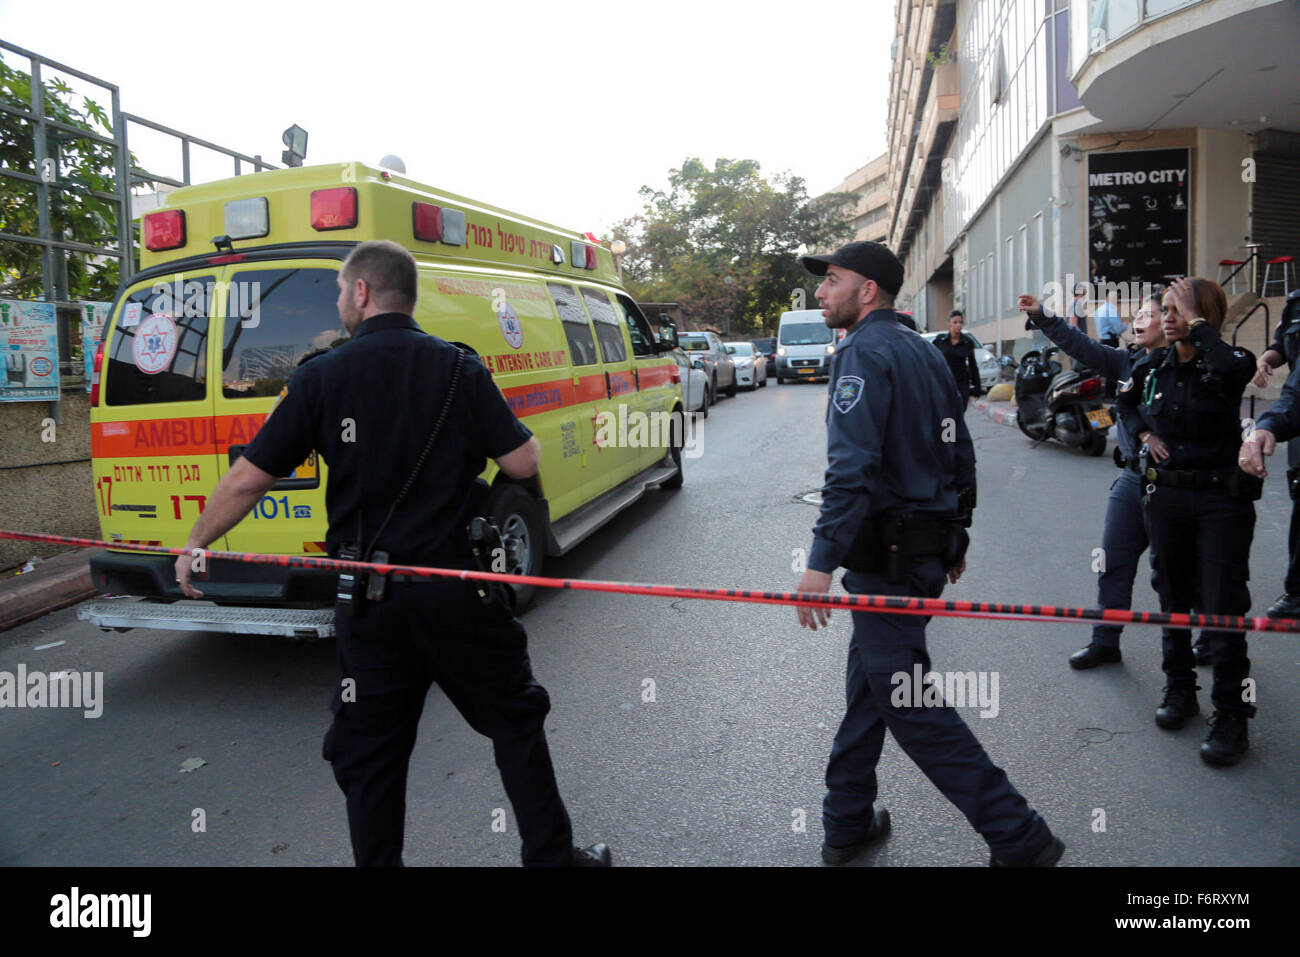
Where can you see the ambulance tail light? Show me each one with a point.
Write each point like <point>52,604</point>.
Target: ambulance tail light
<point>334,208</point>
<point>426,222</point>
<point>591,257</point>
<point>94,380</point>
<point>164,230</point>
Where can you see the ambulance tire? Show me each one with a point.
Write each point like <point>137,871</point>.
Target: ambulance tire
<point>675,451</point>
<point>514,512</point>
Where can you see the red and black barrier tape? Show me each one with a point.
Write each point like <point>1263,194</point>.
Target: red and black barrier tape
<point>884,604</point>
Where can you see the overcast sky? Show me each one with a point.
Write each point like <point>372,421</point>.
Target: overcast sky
<point>559,110</point>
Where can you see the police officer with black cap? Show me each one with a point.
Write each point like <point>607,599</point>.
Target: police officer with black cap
<point>1286,348</point>
<point>397,411</point>
<point>1183,402</point>
<point>898,495</point>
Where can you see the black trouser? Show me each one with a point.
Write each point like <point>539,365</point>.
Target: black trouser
<point>1202,536</point>
<point>1292,585</point>
<point>394,650</point>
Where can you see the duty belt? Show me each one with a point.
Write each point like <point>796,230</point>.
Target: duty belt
<point>886,543</point>
<point>1192,478</point>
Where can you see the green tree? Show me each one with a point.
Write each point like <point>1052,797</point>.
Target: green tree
<point>76,213</point>
<point>725,241</point>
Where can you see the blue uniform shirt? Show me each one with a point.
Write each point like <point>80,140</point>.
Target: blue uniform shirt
<point>895,434</point>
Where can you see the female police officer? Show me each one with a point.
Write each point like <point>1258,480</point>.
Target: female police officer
<point>1184,402</point>
<point>1123,537</point>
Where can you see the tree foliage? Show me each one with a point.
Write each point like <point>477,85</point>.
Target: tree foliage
<point>724,242</point>
<point>85,167</point>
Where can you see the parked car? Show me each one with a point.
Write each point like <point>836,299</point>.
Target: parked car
<point>708,349</point>
<point>987,362</point>
<point>768,348</point>
<point>751,366</point>
<point>695,385</point>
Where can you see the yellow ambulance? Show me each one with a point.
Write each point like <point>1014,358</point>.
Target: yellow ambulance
<point>238,287</point>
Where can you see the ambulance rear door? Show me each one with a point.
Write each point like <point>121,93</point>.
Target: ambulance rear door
<point>278,315</point>
<point>153,451</point>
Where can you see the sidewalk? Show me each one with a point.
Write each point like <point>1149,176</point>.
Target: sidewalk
<point>1003,413</point>
<point>55,583</point>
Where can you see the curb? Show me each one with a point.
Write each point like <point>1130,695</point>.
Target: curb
<point>55,583</point>
<point>999,412</point>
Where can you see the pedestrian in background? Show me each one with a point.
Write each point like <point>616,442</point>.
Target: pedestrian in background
<point>901,473</point>
<point>1079,308</point>
<point>1110,325</point>
<point>959,352</point>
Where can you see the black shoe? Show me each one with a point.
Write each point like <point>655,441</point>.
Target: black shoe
<point>1047,857</point>
<point>1094,655</point>
<point>595,856</point>
<point>838,856</point>
<point>1288,606</point>
<point>1179,705</point>
<point>1228,740</point>
<point>1201,651</point>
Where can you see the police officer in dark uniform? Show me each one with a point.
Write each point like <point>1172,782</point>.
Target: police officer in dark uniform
<point>899,491</point>
<point>368,408</point>
<point>1183,403</point>
<point>959,351</point>
<point>1286,348</point>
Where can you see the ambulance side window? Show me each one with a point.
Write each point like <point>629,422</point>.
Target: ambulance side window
<point>582,347</point>
<point>160,343</point>
<point>608,329</point>
<point>637,326</point>
<point>274,319</point>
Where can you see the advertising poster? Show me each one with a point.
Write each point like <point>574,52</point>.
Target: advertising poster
<point>1138,220</point>
<point>93,315</point>
<point>29,342</point>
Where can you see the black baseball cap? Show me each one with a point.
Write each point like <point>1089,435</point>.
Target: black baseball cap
<point>872,260</point>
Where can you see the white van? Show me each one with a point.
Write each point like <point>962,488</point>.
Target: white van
<point>804,346</point>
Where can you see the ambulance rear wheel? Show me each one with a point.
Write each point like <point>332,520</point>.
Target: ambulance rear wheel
<point>514,512</point>
<point>675,451</point>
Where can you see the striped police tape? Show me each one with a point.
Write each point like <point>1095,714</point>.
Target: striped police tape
<point>880,604</point>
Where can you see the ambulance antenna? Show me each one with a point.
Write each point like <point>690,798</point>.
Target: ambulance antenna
<point>393,162</point>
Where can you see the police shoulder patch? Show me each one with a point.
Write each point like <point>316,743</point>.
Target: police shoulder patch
<point>848,390</point>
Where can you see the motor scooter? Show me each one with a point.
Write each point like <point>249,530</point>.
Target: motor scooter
<point>1065,406</point>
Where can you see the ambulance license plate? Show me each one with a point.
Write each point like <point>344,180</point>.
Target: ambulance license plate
<point>1100,419</point>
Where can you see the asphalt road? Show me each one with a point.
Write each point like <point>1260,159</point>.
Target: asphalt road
<point>720,767</point>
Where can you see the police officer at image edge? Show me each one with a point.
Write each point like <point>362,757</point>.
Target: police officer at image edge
<point>898,495</point>
<point>390,411</point>
<point>1286,349</point>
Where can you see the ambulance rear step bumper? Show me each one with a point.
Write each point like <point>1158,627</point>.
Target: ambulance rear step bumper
<point>122,614</point>
<point>582,522</point>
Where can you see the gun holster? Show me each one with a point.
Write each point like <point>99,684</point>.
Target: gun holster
<point>485,544</point>
<point>888,543</point>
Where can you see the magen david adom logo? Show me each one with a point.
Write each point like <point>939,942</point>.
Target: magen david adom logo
<point>155,343</point>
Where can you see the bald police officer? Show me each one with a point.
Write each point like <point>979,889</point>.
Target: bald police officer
<point>899,488</point>
<point>368,408</point>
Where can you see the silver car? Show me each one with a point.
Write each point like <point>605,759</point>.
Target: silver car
<point>751,365</point>
<point>708,350</point>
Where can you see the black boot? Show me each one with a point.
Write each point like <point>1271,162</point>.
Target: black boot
<point>1047,857</point>
<point>1288,606</point>
<point>597,855</point>
<point>1228,740</point>
<point>839,856</point>
<point>1179,705</point>
<point>1094,655</point>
